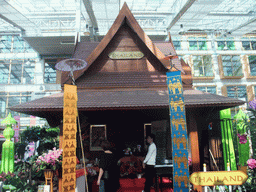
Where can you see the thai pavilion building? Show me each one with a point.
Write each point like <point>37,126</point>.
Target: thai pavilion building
<point>124,89</point>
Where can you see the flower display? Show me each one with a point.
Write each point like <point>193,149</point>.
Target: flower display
<point>242,138</point>
<point>51,160</point>
<point>252,104</point>
<point>251,163</point>
<point>189,161</point>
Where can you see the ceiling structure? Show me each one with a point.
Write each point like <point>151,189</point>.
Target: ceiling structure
<point>90,20</point>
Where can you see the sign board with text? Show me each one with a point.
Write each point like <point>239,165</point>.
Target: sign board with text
<point>212,178</point>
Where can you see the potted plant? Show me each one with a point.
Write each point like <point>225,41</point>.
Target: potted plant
<point>51,161</point>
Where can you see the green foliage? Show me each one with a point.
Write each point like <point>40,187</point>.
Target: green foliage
<point>21,179</point>
<point>250,124</point>
<point>47,137</point>
<point>27,171</point>
<point>250,184</point>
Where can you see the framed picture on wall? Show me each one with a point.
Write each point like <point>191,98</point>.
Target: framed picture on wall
<point>98,133</point>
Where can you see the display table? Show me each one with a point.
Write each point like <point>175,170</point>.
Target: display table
<point>80,179</point>
<point>131,165</point>
<point>162,171</point>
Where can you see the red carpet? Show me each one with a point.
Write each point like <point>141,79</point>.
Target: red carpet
<point>136,185</point>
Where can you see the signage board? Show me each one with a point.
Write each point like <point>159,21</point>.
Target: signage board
<point>126,55</point>
<point>212,178</point>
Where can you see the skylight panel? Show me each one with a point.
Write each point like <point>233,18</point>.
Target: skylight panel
<point>235,7</point>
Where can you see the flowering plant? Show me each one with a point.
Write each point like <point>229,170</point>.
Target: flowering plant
<point>242,138</point>
<point>251,163</point>
<point>51,160</point>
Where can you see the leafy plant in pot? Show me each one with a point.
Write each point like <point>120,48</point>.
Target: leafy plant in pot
<point>51,160</point>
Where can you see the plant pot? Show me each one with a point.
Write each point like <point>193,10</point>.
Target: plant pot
<point>48,173</point>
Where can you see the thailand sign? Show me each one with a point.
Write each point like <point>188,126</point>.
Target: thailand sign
<point>126,55</point>
<point>212,178</point>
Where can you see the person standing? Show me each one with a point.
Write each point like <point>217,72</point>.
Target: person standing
<point>150,162</point>
<point>109,171</point>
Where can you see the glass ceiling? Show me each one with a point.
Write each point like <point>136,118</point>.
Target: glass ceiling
<point>156,17</point>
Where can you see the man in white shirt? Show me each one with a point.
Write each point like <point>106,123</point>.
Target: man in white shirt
<point>149,163</point>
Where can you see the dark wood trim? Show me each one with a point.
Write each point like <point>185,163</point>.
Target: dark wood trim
<point>194,140</point>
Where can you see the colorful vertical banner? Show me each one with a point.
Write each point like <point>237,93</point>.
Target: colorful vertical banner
<point>178,132</point>
<point>16,128</point>
<point>69,138</point>
<point>32,120</point>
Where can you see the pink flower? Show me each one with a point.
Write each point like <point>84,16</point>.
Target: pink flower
<point>251,163</point>
<point>189,161</point>
<point>242,138</point>
<point>51,159</point>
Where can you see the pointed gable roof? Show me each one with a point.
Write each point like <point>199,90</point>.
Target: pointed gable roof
<point>124,16</point>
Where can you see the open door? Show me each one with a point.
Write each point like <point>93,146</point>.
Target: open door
<point>161,130</point>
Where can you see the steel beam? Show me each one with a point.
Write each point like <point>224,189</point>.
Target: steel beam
<point>187,5</point>
<point>242,25</point>
<point>12,23</point>
<point>88,7</point>
<point>9,10</point>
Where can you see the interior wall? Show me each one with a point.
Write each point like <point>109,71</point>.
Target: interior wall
<point>125,128</point>
<point>209,133</point>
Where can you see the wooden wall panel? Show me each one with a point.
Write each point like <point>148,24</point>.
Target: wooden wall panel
<point>123,41</point>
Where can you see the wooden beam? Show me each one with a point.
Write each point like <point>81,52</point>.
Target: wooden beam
<point>193,136</point>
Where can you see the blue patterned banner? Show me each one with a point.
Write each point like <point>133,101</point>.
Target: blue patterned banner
<point>179,132</point>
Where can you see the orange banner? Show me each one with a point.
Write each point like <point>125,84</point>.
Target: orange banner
<point>69,138</point>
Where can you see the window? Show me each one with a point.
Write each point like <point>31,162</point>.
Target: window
<point>18,44</point>
<point>202,66</point>
<point>15,71</point>
<point>5,44</point>
<point>49,73</point>
<point>4,72</point>
<point>232,65</point>
<point>18,71</point>
<point>249,45</point>
<point>197,44</point>
<point>238,92</point>
<point>8,99</point>
<point>3,103</point>
<point>177,45</point>
<point>29,72</point>
<point>210,89</point>
<point>252,64</point>
<point>226,45</point>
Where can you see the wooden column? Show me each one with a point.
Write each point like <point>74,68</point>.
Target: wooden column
<point>193,137</point>
<point>60,147</point>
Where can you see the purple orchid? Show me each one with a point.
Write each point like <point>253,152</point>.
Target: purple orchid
<point>242,138</point>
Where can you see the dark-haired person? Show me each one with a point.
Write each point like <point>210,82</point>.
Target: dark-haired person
<point>109,170</point>
<point>149,163</point>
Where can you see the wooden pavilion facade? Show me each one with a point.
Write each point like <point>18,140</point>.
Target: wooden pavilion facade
<point>124,88</point>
